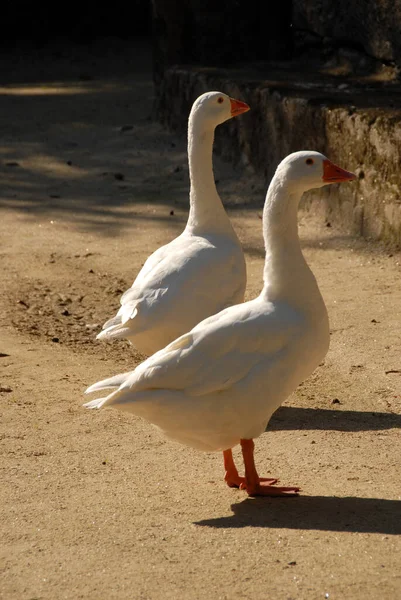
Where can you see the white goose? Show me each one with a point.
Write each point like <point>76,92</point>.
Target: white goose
<point>201,271</point>
<point>219,384</point>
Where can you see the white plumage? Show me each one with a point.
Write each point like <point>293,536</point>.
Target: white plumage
<point>200,272</point>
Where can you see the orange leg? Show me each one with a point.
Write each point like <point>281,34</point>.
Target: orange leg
<point>253,483</point>
<point>231,477</point>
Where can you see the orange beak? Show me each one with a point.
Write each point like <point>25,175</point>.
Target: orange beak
<point>238,107</point>
<point>334,174</point>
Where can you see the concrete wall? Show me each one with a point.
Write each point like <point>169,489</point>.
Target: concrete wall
<point>289,115</point>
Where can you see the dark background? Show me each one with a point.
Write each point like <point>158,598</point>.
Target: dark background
<point>43,23</point>
<point>213,33</point>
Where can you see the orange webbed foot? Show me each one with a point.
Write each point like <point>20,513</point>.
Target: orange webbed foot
<point>232,478</point>
<point>240,482</point>
<point>263,489</point>
<point>255,485</point>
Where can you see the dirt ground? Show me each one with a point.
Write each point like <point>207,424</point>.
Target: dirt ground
<point>100,505</point>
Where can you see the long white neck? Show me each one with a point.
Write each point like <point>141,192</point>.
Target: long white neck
<point>206,209</point>
<point>286,275</point>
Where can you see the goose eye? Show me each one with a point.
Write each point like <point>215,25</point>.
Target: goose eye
<point>309,161</point>
<point>220,100</point>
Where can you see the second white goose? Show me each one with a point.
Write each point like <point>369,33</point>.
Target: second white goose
<point>200,272</point>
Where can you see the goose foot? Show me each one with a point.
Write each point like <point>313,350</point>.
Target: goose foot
<point>240,482</point>
<point>255,485</point>
<point>270,490</point>
<point>234,480</point>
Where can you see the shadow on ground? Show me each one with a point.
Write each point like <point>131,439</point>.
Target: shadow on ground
<point>78,142</point>
<point>358,515</point>
<point>293,418</point>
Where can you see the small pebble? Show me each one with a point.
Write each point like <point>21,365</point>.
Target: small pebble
<point>55,340</point>
<point>5,388</point>
<point>335,401</point>
<point>171,213</point>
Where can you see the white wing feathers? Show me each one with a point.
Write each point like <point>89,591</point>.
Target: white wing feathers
<point>109,383</point>
<point>216,355</point>
<point>132,298</point>
<point>179,284</point>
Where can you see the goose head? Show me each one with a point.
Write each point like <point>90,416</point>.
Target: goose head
<point>213,108</point>
<point>306,170</point>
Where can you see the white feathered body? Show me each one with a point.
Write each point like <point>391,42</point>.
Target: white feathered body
<point>222,381</point>
<point>179,285</point>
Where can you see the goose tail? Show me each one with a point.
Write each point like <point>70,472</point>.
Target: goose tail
<point>109,383</point>
<point>98,403</point>
<point>115,332</point>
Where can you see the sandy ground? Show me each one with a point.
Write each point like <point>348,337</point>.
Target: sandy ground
<point>100,505</point>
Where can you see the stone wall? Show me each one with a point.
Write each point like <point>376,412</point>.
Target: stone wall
<point>288,114</point>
